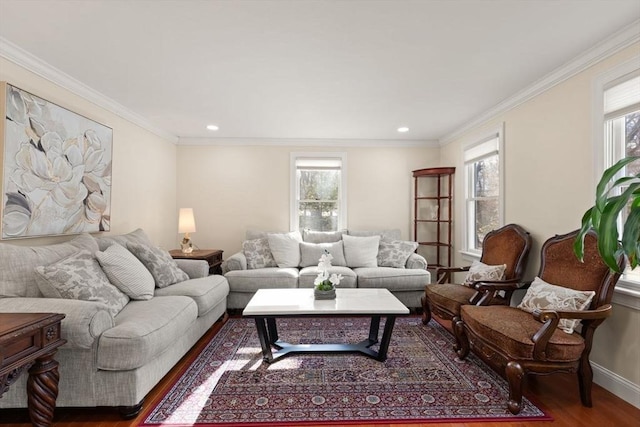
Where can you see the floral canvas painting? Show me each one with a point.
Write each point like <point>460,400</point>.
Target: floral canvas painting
<point>56,175</point>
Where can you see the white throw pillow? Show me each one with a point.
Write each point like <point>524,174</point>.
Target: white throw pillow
<point>361,251</point>
<point>481,271</point>
<point>285,248</point>
<point>126,272</point>
<point>542,295</point>
<point>310,253</point>
<point>80,277</point>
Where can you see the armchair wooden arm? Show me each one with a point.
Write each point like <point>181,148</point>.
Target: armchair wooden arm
<point>550,319</point>
<point>487,288</point>
<point>443,274</point>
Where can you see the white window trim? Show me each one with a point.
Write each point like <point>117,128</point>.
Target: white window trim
<point>467,252</point>
<point>293,209</point>
<point>627,292</point>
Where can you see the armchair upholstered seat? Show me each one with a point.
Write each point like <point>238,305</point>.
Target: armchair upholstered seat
<point>508,245</point>
<point>517,342</point>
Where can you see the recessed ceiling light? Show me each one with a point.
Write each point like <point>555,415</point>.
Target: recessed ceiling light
<point>403,129</point>
<point>212,127</point>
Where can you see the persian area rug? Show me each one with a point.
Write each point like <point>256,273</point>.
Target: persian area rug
<point>422,380</point>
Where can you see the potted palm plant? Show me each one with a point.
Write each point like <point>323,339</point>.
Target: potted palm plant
<point>603,217</point>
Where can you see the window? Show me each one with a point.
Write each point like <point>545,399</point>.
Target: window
<point>318,191</point>
<point>483,168</point>
<point>621,116</point>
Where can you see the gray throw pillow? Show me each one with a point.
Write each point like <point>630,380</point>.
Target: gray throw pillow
<point>126,272</point>
<point>361,251</point>
<point>310,253</point>
<point>311,236</point>
<point>395,253</point>
<point>80,277</point>
<point>285,248</point>
<point>163,268</point>
<point>258,253</point>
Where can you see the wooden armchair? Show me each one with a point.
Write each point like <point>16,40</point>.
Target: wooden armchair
<point>508,245</point>
<point>516,342</point>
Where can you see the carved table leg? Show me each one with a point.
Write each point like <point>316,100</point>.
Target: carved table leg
<point>42,390</point>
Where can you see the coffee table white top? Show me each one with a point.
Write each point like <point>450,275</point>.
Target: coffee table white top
<point>282,302</point>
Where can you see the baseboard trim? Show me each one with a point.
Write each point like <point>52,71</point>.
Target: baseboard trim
<point>621,387</point>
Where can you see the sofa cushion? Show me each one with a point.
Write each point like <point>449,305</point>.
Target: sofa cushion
<point>18,263</point>
<point>262,278</point>
<point>144,330</point>
<point>309,274</point>
<point>361,251</point>
<point>392,234</point>
<point>137,236</point>
<point>163,268</point>
<point>285,248</point>
<point>394,279</point>
<point>395,253</point>
<point>310,253</point>
<point>258,253</point>
<point>80,277</point>
<point>207,292</point>
<point>311,236</point>
<point>449,296</point>
<point>542,295</point>
<point>512,329</point>
<point>126,272</point>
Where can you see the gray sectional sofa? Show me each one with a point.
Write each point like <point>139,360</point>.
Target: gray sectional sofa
<point>111,360</point>
<point>268,260</point>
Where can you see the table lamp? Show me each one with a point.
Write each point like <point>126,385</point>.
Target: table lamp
<point>186,225</point>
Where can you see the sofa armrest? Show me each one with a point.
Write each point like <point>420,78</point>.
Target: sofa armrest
<point>195,268</point>
<point>85,321</point>
<point>236,261</point>
<point>416,261</point>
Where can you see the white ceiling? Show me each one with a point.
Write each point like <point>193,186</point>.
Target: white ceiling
<point>311,69</point>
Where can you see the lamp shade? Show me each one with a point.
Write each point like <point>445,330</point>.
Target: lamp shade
<point>186,222</point>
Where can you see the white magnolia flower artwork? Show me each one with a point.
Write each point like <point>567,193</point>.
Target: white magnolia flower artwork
<point>57,169</point>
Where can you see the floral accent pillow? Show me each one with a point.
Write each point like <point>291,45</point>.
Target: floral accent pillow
<point>542,295</point>
<point>481,271</point>
<point>258,253</point>
<point>395,253</point>
<point>162,267</point>
<point>80,277</point>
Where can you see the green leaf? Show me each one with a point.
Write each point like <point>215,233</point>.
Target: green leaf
<point>578,244</point>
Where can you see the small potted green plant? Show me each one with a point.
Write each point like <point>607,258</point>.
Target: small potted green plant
<point>603,217</point>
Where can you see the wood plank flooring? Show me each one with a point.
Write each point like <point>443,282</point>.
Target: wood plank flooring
<point>557,394</point>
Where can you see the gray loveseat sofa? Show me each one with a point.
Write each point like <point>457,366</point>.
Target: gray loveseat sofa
<point>111,360</point>
<point>366,259</point>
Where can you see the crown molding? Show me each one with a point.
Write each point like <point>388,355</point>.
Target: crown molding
<point>609,46</point>
<point>45,70</point>
<point>309,142</point>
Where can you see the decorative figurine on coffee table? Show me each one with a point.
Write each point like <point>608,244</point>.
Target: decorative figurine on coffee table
<point>325,284</point>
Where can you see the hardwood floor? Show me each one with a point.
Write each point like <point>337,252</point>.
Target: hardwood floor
<point>557,394</point>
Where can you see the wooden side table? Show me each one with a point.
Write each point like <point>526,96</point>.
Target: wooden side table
<point>31,340</point>
<point>212,256</point>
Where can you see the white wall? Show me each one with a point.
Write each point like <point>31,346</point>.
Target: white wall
<point>550,175</point>
<point>144,167</point>
<point>232,189</point>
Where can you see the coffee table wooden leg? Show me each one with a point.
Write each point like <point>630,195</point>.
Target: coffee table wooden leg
<point>373,329</point>
<point>264,339</point>
<point>42,390</point>
<point>386,338</point>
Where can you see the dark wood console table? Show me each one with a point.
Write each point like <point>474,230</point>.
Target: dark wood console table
<point>29,341</point>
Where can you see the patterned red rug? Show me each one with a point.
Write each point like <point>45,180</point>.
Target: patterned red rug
<point>421,381</point>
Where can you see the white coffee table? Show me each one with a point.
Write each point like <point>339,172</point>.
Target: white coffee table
<point>269,304</point>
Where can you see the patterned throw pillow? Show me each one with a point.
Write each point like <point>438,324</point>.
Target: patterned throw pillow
<point>163,268</point>
<point>258,253</point>
<point>395,253</point>
<point>310,253</point>
<point>80,277</point>
<point>126,272</point>
<point>542,295</point>
<point>481,271</point>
